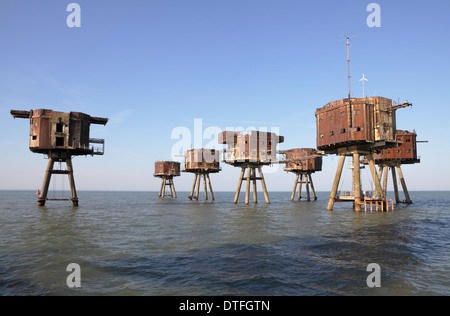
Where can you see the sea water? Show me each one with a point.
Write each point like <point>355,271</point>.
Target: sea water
<point>133,243</point>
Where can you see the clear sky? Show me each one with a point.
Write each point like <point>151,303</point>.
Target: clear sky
<point>157,65</point>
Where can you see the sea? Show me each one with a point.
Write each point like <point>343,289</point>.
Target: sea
<point>136,244</point>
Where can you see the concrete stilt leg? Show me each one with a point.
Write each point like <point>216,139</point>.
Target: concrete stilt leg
<point>206,188</point>
<point>161,189</point>
<point>45,185</point>
<point>199,178</point>
<point>238,191</point>
<point>385,180</point>
<point>193,187</point>
<point>357,182</point>
<point>72,182</point>
<point>403,182</point>
<point>210,187</point>
<point>255,190</point>
<point>295,186</point>
<point>337,179</point>
<point>376,179</point>
<point>299,197</point>
<point>164,187</point>
<point>308,195</point>
<point>173,188</point>
<point>312,188</point>
<point>394,180</point>
<point>263,183</point>
<point>247,192</point>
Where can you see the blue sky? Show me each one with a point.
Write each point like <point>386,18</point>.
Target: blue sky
<point>152,66</point>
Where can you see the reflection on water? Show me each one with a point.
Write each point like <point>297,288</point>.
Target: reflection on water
<point>136,244</point>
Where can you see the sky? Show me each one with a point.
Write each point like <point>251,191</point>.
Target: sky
<point>155,67</point>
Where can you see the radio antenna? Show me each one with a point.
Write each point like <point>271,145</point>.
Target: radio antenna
<point>350,110</point>
<point>349,69</point>
<point>347,38</point>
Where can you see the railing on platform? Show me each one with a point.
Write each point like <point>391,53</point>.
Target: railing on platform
<point>98,146</point>
<point>349,194</point>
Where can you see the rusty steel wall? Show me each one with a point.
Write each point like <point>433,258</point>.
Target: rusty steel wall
<point>59,131</point>
<point>296,160</point>
<point>60,139</point>
<point>404,153</point>
<point>40,129</point>
<point>79,130</point>
<point>344,123</point>
<point>202,159</point>
<point>167,168</point>
<point>228,137</point>
<point>252,146</point>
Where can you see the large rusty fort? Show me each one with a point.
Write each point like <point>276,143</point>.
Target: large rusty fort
<point>357,128</point>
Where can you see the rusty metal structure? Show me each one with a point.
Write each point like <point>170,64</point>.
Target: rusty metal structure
<point>302,162</point>
<point>394,158</point>
<point>201,162</point>
<point>357,127</point>
<point>61,136</point>
<point>250,150</point>
<point>167,170</point>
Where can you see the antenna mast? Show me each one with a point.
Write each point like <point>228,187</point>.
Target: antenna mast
<point>349,69</point>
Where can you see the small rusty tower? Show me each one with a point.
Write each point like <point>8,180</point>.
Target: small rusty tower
<point>357,127</point>
<point>201,162</point>
<point>61,136</point>
<point>167,170</point>
<point>250,151</point>
<point>394,158</point>
<point>302,162</point>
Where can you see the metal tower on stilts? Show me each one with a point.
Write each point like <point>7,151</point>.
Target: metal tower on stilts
<point>394,158</point>
<point>167,170</point>
<point>201,162</point>
<point>250,151</point>
<point>357,127</point>
<point>303,162</point>
<point>61,136</point>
